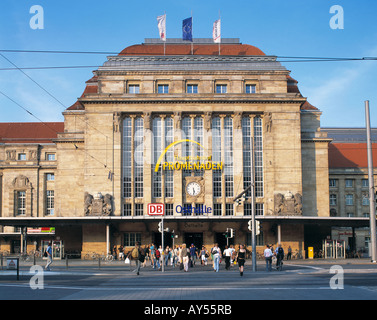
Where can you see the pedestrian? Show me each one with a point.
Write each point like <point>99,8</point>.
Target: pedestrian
<point>279,254</point>
<point>192,255</point>
<point>216,257</point>
<point>227,254</point>
<point>121,254</point>
<point>115,252</point>
<point>137,254</point>
<point>268,256</point>
<point>204,256</point>
<point>49,256</point>
<point>241,255</point>
<point>152,252</point>
<point>167,256</point>
<point>289,255</point>
<point>185,256</point>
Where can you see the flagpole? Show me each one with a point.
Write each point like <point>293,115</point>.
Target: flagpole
<point>165,34</point>
<point>220,34</point>
<point>192,41</point>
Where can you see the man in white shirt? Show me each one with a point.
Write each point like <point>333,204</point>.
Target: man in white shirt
<point>268,256</point>
<point>227,255</point>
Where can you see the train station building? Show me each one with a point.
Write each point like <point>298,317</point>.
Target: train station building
<point>186,126</point>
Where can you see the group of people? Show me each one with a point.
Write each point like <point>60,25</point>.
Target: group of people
<point>269,253</point>
<point>185,256</point>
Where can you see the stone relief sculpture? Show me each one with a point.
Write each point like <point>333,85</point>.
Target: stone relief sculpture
<point>177,119</point>
<point>208,121</point>
<point>147,120</point>
<point>98,205</point>
<point>11,154</point>
<point>288,204</point>
<point>237,120</point>
<point>268,121</point>
<point>117,119</point>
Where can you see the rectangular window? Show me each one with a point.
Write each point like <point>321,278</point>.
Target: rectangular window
<point>198,209</point>
<point>258,155</point>
<point>216,155</point>
<point>139,158</point>
<point>157,150</point>
<point>349,200</point>
<point>162,88</point>
<point>221,88</point>
<point>228,154</point>
<point>250,88</point>
<point>50,202</point>
<point>365,201</point>
<point>134,88</point>
<point>169,209</point>
<point>247,148</point>
<point>50,177</point>
<point>127,210</point>
<point>131,238</point>
<point>21,202</point>
<point>21,156</point>
<point>50,156</point>
<point>192,88</point>
<point>186,146</point>
<point>197,150</point>
<point>229,209</point>
<point>332,199</point>
<point>127,157</point>
<point>139,209</point>
<point>365,183</point>
<point>217,209</point>
<point>169,157</point>
<point>332,183</point>
<point>349,183</point>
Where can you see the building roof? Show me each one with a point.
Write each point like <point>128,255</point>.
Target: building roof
<point>350,155</point>
<point>30,132</point>
<point>228,47</point>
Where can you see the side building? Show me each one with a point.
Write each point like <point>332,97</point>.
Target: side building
<point>348,182</point>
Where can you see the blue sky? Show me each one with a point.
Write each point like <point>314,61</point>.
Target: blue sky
<point>282,28</point>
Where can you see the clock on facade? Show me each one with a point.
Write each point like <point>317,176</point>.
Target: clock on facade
<point>193,189</point>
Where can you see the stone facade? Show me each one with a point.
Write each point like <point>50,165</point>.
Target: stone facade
<point>91,159</point>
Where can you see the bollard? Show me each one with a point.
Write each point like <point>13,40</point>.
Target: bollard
<point>1,256</point>
<point>99,263</point>
<point>66,261</point>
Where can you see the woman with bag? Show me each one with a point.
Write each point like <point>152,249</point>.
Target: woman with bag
<point>241,255</point>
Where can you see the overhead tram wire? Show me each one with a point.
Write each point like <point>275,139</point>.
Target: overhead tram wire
<point>47,125</point>
<point>105,165</point>
<point>51,95</point>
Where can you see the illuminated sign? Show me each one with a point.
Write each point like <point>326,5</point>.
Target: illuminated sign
<point>187,163</point>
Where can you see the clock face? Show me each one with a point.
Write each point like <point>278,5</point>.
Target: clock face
<point>193,189</point>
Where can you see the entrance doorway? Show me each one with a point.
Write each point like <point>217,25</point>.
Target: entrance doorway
<point>194,238</point>
<point>168,240</point>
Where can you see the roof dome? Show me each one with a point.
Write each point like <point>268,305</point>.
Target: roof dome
<point>147,49</point>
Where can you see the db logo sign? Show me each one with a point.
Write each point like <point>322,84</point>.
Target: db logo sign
<point>156,209</point>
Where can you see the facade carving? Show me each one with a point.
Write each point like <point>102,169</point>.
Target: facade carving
<point>288,204</point>
<point>98,205</point>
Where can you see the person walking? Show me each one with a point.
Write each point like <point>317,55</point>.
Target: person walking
<point>268,256</point>
<point>192,255</point>
<point>227,254</point>
<point>279,255</point>
<point>137,254</point>
<point>216,257</point>
<point>185,256</point>
<point>289,255</point>
<point>49,256</point>
<point>241,256</point>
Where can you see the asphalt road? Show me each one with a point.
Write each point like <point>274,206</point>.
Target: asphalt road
<point>299,280</point>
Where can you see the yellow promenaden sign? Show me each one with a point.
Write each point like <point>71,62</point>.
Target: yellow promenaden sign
<point>188,163</point>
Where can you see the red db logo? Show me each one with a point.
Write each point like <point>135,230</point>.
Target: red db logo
<point>156,209</point>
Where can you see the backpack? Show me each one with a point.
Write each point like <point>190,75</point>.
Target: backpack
<point>280,250</point>
<point>157,253</point>
<point>135,253</point>
<point>141,255</point>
